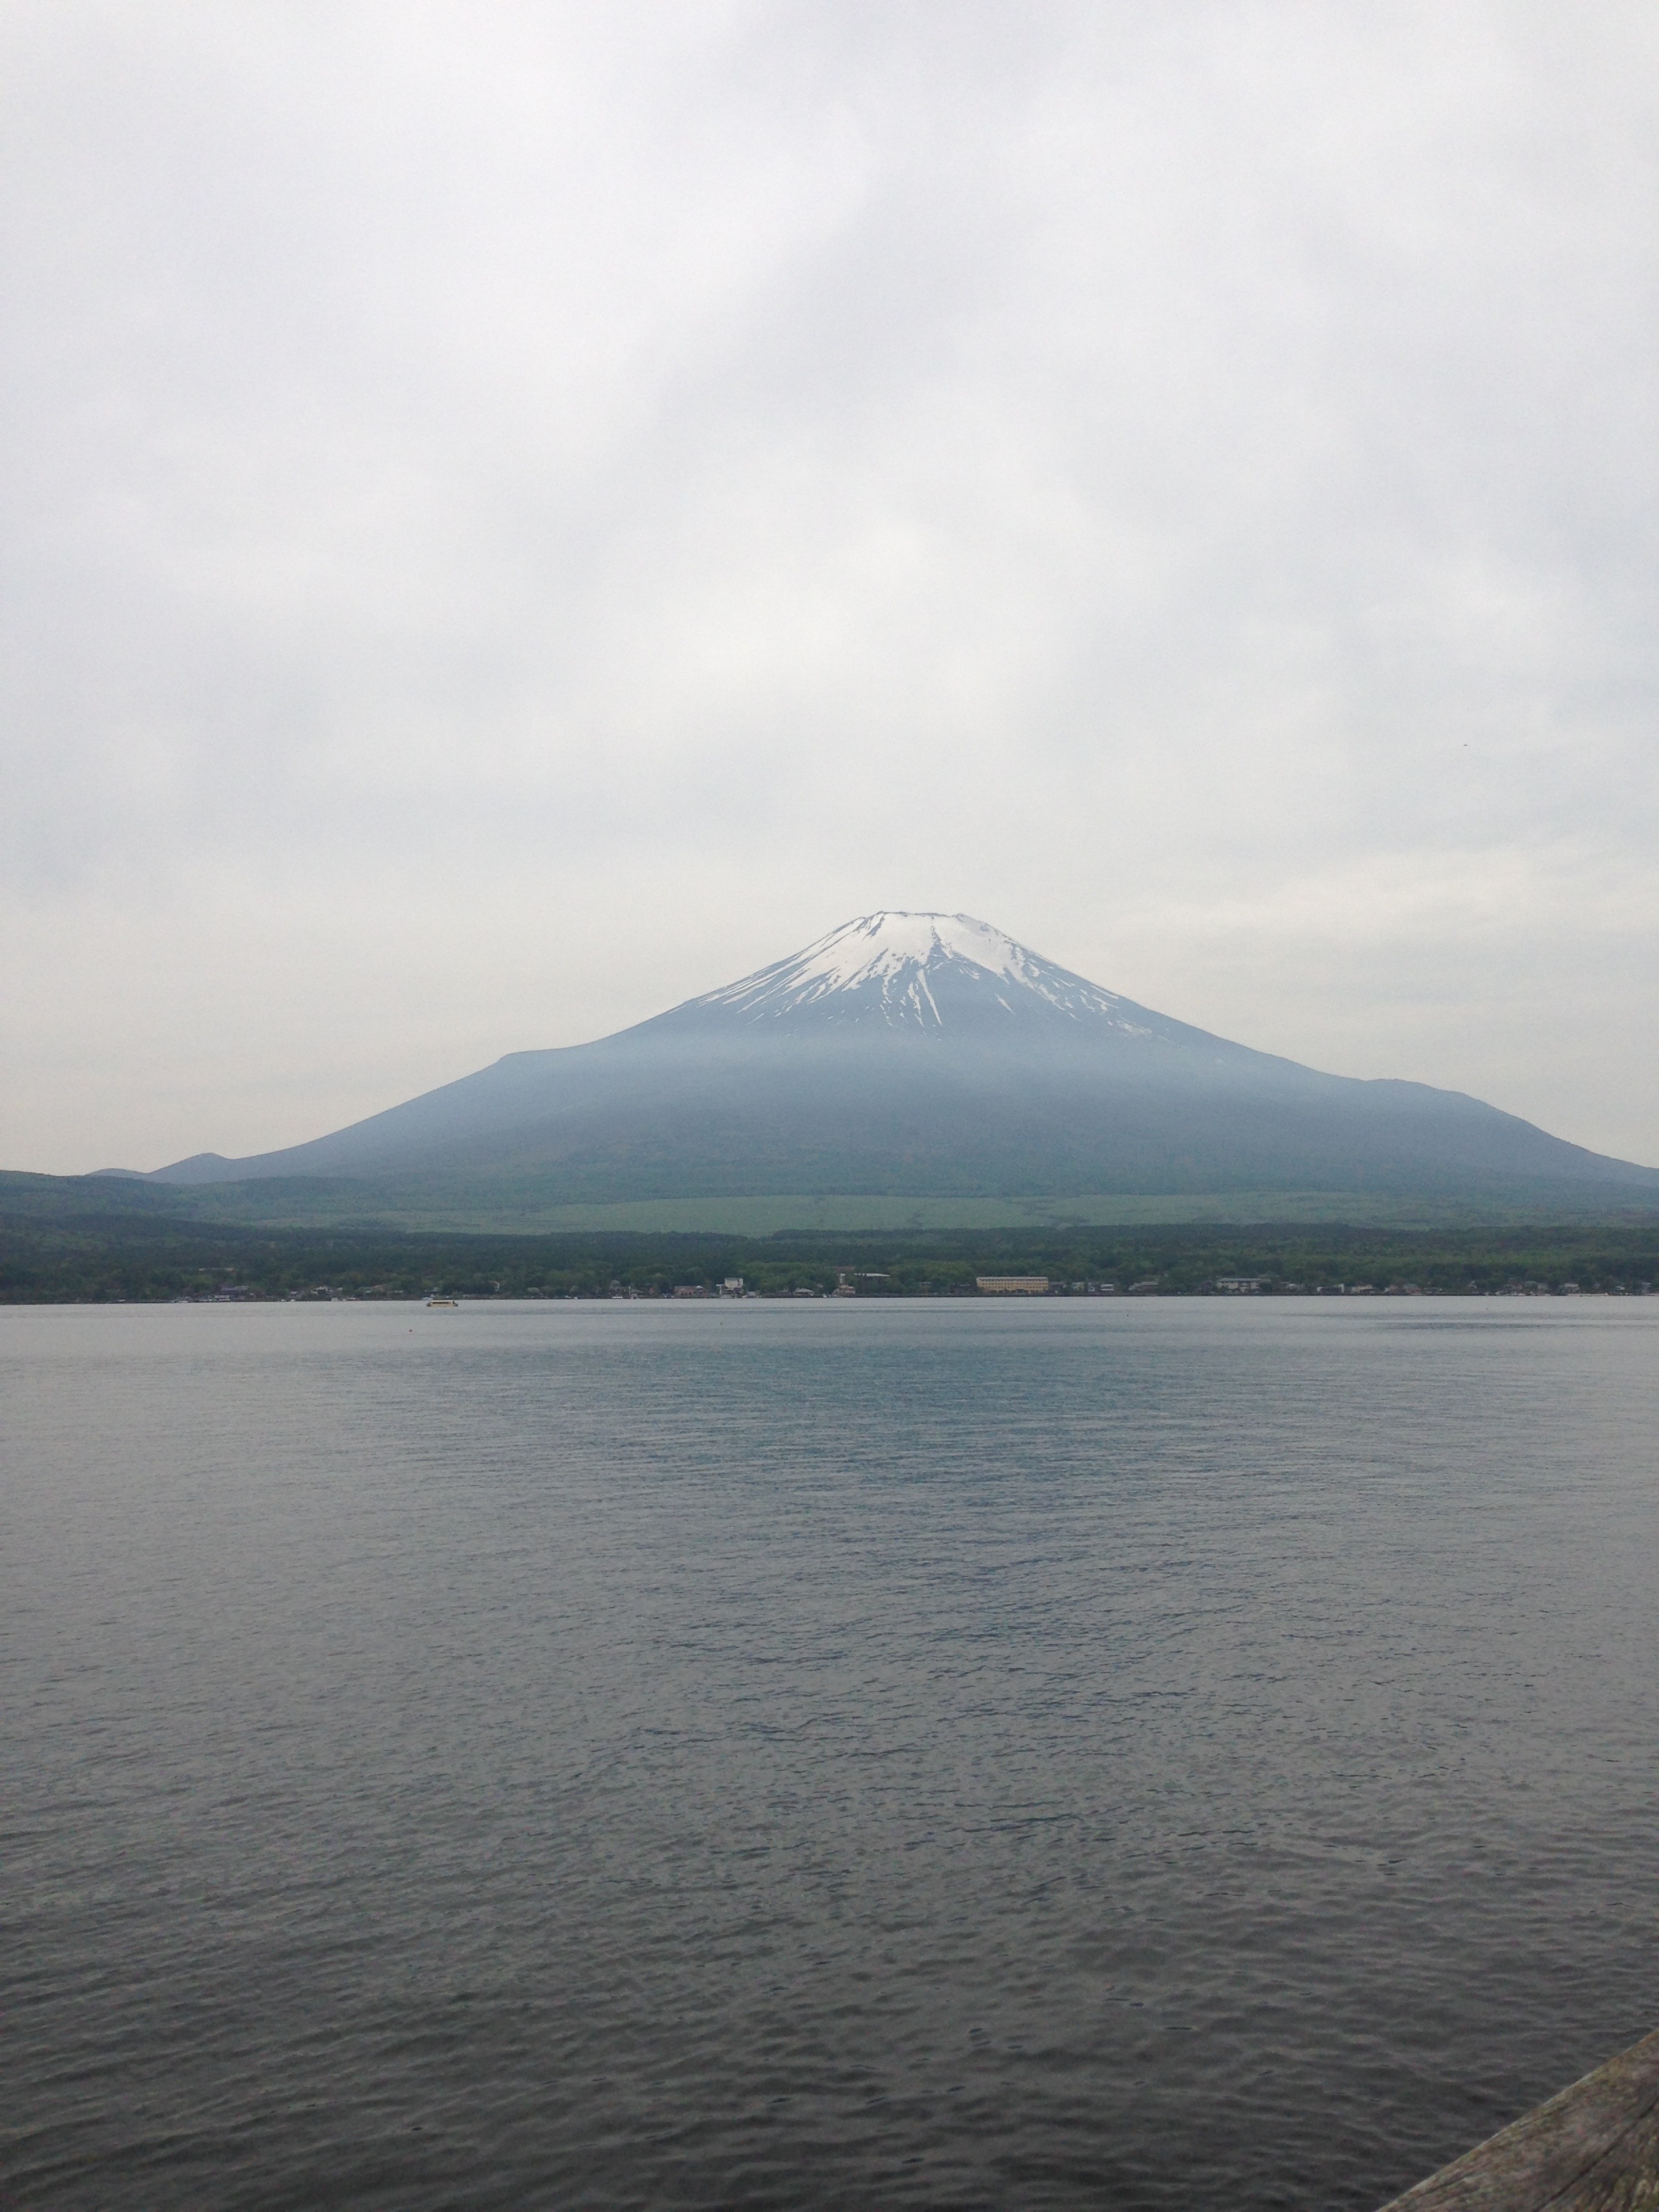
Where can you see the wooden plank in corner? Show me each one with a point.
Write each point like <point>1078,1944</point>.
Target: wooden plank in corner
<point>1593,2149</point>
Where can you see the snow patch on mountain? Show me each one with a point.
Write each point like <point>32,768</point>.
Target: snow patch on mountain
<point>912,969</point>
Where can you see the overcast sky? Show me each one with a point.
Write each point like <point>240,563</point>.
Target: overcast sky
<point>516,514</point>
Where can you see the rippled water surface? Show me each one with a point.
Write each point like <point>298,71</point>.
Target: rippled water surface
<point>1091,1753</point>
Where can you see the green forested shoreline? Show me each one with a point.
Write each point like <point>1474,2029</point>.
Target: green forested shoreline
<point>144,1255</point>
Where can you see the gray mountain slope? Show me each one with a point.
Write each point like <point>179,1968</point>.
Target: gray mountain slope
<point>930,1056</point>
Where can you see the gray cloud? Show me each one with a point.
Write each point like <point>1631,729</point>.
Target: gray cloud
<point>520,513</point>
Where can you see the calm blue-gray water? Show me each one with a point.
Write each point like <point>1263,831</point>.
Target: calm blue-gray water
<point>1108,1753</point>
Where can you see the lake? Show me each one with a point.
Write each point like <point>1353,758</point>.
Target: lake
<point>1139,1753</point>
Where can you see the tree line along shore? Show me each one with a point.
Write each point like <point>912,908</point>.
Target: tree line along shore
<point>146,1259</point>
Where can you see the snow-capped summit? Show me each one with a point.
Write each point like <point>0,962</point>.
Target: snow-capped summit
<point>901,970</point>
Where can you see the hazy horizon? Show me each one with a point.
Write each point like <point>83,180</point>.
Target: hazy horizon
<point>521,517</point>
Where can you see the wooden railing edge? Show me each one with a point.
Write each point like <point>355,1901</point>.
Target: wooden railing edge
<point>1593,2147</point>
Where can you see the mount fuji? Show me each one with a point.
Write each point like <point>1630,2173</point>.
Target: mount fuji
<point>929,1055</point>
